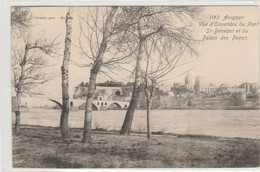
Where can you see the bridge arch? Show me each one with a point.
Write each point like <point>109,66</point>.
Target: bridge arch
<point>115,105</point>
<point>82,106</point>
<point>94,107</point>
<point>58,104</point>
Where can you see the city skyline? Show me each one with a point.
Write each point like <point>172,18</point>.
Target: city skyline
<point>219,61</point>
<point>182,81</point>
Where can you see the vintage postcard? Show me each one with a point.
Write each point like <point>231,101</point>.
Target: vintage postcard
<point>135,86</point>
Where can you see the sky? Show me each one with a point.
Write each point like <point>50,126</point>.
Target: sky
<point>231,62</point>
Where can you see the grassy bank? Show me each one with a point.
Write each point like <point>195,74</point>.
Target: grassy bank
<point>42,147</point>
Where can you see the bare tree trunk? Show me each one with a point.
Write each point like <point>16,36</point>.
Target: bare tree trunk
<point>134,100</point>
<point>149,95</point>
<point>148,119</point>
<point>64,123</point>
<point>17,110</point>
<point>19,90</point>
<point>88,107</point>
<point>93,76</point>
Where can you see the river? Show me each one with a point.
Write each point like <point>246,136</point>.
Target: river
<point>224,123</point>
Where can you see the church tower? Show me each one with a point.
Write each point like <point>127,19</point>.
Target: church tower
<point>188,82</point>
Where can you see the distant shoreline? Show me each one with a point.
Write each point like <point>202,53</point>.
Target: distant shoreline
<point>212,108</point>
<point>140,133</point>
<point>179,108</point>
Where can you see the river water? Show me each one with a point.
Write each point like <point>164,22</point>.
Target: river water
<point>225,123</point>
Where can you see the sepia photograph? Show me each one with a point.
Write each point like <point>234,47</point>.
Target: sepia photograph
<point>135,86</point>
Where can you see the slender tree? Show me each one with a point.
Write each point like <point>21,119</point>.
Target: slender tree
<point>103,31</point>
<point>159,62</point>
<point>97,63</point>
<point>64,124</point>
<point>142,27</point>
<point>28,69</point>
<point>169,23</point>
<point>28,58</point>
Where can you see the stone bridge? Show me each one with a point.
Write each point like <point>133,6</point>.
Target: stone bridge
<point>75,104</point>
<point>100,104</point>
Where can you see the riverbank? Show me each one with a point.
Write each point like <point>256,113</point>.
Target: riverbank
<point>42,147</point>
<point>211,108</point>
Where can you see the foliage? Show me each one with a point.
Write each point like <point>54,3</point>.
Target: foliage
<point>20,18</point>
<point>29,63</point>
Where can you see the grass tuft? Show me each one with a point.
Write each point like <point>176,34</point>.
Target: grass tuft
<point>59,161</point>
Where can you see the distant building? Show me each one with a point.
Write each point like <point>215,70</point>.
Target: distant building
<point>250,88</point>
<point>224,89</point>
<point>127,92</point>
<point>180,90</point>
<point>105,93</point>
<point>110,91</point>
<point>164,88</point>
<point>176,85</point>
<point>210,89</point>
<point>188,82</point>
<point>164,99</point>
<point>199,84</point>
